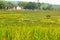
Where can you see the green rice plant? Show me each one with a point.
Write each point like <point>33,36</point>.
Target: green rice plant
<point>8,35</point>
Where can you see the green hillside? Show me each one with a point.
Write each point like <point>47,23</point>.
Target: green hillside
<point>56,7</point>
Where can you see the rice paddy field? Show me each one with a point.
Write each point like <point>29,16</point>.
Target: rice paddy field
<point>29,25</point>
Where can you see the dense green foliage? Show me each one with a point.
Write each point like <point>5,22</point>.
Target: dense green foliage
<point>29,5</point>
<point>41,6</point>
<point>2,4</point>
<point>25,5</point>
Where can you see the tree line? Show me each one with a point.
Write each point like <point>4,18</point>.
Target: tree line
<point>26,5</point>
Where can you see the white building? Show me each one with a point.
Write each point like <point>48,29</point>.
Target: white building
<point>14,8</point>
<point>19,8</point>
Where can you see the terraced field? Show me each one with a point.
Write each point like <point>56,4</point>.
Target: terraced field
<point>29,25</point>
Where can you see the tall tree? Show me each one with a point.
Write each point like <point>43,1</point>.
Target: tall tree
<point>2,4</point>
<point>23,4</point>
<point>39,4</point>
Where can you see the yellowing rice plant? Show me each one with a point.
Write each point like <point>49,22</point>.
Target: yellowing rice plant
<point>10,15</point>
<point>29,25</point>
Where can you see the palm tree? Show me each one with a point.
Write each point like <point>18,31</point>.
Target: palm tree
<point>38,0</point>
<point>38,4</point>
